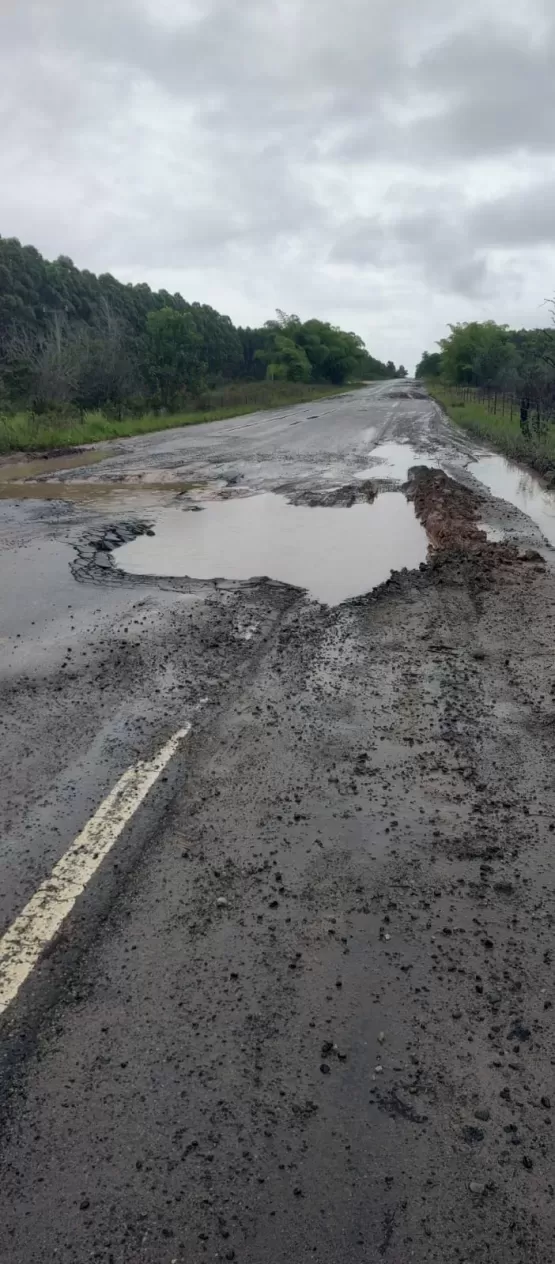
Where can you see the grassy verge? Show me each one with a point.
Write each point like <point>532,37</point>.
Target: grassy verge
<point>23,433</point>
<point>502,432</point>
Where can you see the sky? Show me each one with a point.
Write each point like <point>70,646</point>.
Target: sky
<point>388,165</point>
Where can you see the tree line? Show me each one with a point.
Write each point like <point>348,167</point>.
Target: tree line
<point>514,363</point>
<point>71,340</point>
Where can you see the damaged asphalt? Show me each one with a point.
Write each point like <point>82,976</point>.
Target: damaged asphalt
<point>305,1010</point>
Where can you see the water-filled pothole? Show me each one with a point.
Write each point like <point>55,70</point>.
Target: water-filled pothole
<point>333,553</point>
<point>393,461</point>
<point>520,488</point>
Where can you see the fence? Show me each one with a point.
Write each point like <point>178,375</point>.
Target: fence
<point>532,406</point>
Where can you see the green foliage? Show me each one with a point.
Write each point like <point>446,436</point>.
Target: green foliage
<point>495,358</point>
<point>70,340</point>
<point>315,350</point>
<point>285,357</point>
<point>32,289</point>
<point>499,383</point>
<point>173,349</point>
<point>501,429</point>
<point>27,432</point>
<point>333,354</point>
<point>475,352</point>
<point>430,365</point>
<point>101,316</point>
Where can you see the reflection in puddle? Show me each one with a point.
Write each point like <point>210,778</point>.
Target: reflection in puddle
<point>393,461</point>
<point>520,488</point>
<point>334,553</point>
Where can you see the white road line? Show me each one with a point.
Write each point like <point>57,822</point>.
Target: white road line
<point>25,941</point>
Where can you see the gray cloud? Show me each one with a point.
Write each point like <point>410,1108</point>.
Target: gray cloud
<point>497,85</point>
<point>521,218</point>
<point>440,251</point>
<point>258,155</point>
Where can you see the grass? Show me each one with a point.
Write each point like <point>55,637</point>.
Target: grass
<point>502,432</point>
<point>21,432</point>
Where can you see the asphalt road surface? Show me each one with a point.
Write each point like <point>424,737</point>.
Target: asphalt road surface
<point>277,884</point>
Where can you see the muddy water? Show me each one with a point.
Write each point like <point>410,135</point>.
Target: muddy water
<point>36,480</point>
<point>333,553</point>
<point>519,487</point>
<point>119,496</point>
<point>39,467</point>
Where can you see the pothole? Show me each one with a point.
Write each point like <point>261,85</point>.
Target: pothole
<point>333,553</point>
<point>414,393</point>
<point>392,461</point>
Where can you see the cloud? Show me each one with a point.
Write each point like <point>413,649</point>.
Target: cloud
<point>497,88</point>
<point>432,237</point>
<point>521,218</point>
<point>385,164</point>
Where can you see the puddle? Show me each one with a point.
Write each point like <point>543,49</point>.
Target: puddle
<point>520,488</point>
<point>11,471</point>
<point>393,461</point>
<point>333,553</point>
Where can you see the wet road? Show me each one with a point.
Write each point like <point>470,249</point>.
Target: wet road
<point>92,674</point>
<point>268,1012</point>
<point>326,440</point>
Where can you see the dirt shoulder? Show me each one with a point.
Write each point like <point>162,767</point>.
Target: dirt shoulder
<point>319,1023</point>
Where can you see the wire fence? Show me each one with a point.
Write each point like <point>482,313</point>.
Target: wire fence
<point>533,406</point>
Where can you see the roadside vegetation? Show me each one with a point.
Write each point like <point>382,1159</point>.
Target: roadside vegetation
<point>85,357</point>
<point>498,428</point>
<point>25,432</point>
<point>499,384</point>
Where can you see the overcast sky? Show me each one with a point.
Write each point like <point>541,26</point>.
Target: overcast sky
<point>388,165</point>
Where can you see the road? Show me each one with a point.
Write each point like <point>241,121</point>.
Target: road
<point>291,998</point>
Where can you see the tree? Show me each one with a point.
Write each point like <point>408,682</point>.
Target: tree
<point>32,290</point>
<point>173,355</point>
<point>311,350</point>
<point>430,364</point>
<point>44,368</point>
<point>369,369</point>
<point>109,373</point>
<point>496,359</point>
<point>335,354</point>
<point>474,353</point>
<point>285,359</point>
<point>68,337</point>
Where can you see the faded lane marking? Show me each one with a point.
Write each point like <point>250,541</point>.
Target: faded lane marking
<point>25,941</point>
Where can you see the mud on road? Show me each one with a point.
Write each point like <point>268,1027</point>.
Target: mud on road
<point>313,1018</point>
